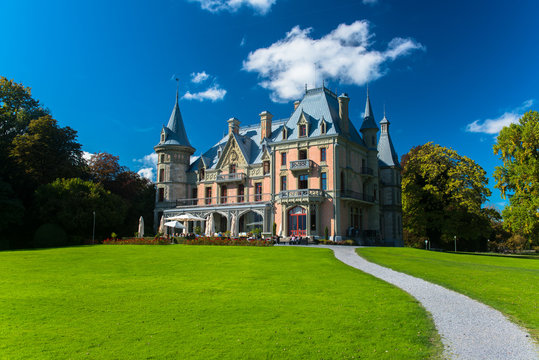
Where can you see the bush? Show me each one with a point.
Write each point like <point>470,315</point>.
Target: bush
<point>50,235</point>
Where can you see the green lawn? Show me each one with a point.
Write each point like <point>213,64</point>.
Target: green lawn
<point>510,285</point>
<point>177,302</point>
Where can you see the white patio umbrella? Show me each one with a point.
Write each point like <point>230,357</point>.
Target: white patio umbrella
<point>255,223</point>
<point>141,227</point>
<point>210,226</point>
<point>186,217</point>
<point>233,222</point>
<point>174,224</point>
<point>162,225</point>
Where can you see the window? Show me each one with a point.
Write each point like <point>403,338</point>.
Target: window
<point>323,128</point>
<point>283,183</point>
<point>323,181</point>
<point>342,180</point>
<point>161,175</point>
<point>223,194</point>
<point>303,182</point>
<point>208,195</point>
<point>258,191</point>
<point>219,153</point>
<point>201,174</point>
<point>283,159</point>
<point>161,194</point>
<point>232,168</point>
<point>313,219</point>
<point>162,137</point>
<point>302,154</point>
<point>285,134</point>
<point>302,130</point>
<point>194,196</point>
<point>241,193</point>
<point>162,158</point>
<point>322,154</point>
<point>266,167</point>
<point>373,141</point>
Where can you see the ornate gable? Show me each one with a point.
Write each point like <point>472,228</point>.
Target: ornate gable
<point>232,154</point>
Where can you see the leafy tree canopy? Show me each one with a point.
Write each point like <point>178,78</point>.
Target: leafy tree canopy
<point>442,194</point>
<point>517,146</point>
<point>46,151</point>
<point>70,203</point>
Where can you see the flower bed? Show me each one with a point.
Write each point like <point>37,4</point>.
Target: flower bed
<point>223,241</point>
<point>138,241</point>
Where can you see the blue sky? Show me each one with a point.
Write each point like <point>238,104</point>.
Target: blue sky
<point>447,72</point>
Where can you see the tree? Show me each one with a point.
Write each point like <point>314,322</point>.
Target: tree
<point>517,146</point>
<point>104,168</point>
<point>46,151</point>
<point>11,214</point>
<point>70,203</point>
<point>442,194</point>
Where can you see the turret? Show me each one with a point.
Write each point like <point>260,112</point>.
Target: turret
<point>368,127</point>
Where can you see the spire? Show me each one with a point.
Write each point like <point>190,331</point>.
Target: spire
<point>387,156</point>
<point>175,131</point>
<point>368,120</point>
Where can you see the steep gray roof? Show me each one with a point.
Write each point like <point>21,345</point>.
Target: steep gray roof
<point>368,120</point>
<point>387,156</point>
<point>175,131</point>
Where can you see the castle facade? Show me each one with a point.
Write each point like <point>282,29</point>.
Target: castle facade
<point>311,174</point>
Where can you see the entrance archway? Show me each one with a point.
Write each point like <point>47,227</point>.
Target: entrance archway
<point>297,221</point>
<point>250,221</point>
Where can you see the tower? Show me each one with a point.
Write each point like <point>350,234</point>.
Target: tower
<point>173,159</point>
<point>390,187</point>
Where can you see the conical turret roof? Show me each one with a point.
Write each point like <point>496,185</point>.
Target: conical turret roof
<point>175,131</point>
<point>387,156</point>
<point>368,120</point>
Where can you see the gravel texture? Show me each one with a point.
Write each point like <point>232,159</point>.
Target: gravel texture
<point>468,328</point>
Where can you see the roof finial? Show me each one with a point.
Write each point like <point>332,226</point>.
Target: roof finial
<point>177,88</point>
<point>384,110</point>
<point>367,90</point>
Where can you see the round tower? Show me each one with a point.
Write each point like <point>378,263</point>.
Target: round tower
<point>173,159</point>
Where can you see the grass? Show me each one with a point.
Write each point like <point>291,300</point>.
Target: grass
<point>202,302</point>
<point>508,284</point>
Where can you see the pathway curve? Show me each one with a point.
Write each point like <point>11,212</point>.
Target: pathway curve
<point>468,328</point>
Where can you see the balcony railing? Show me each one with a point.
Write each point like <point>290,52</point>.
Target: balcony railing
<point>302,194</point>
<point>224,200</point>
<point>230,178</point>
<point>304,164</point>
<point>367,171</point>
<point>356,195</point>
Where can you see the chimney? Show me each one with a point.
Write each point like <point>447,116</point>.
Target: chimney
<point>343,112</point>
<point>265,125</point>
<point>296,104</point>
<point>233,126</point>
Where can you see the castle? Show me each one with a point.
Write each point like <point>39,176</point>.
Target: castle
<point>311,174</point>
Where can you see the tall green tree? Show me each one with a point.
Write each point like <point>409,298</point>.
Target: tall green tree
<point>70,203</point>
<point>517,146</point>
<point>442,194</point>
<point>46,151</point>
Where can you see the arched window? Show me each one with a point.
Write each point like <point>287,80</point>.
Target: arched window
<point>201,174</point>
<point>323,128</point>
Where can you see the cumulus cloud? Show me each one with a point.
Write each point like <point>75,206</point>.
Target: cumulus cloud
<point>494,126</point>
<point>261,7</point>
<point>214,93</point>
<point>87,156</point>
<point>343,55</point>
<point>148,165</point>
<point>199,77</point>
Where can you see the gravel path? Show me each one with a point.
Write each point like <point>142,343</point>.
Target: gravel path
<point>469,329</point>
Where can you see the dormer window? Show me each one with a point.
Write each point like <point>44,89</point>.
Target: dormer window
<point>218,153</point>
<point>162,137</point>
<point>285,134</point>
<point>323,127</point>
<point>303,130</point>
<point>266,167</point>
<point>201,174</point>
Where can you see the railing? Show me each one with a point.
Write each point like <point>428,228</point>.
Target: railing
<point>301,193</point>
<point>356,195</point>
<point>304,164</point>
<point>367,171</point>
<point>224,200</point>
<point>232,177</point>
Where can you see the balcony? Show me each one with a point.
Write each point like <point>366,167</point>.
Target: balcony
<point>230,178</point>
<point>299,165</point>
<point>223,200</point>
<point>349,194</point>
<point>302,195</point>
<point>367,171</point>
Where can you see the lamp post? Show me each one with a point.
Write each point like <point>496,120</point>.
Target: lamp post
<point>93,230</point>
<point>426,241</point>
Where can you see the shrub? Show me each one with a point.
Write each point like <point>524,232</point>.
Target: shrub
<point>326,233</point>
<point>50,235</point>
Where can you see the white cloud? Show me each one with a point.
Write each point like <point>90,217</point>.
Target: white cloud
<point>343,55</point>
<point>259,6</point>
<point>494,126</point>
<point>214,93</point>
<point>370,2</point>
<point>87,156</point>
<point>242,42</point>
<point>199,77</point>
<point>148,166</point>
